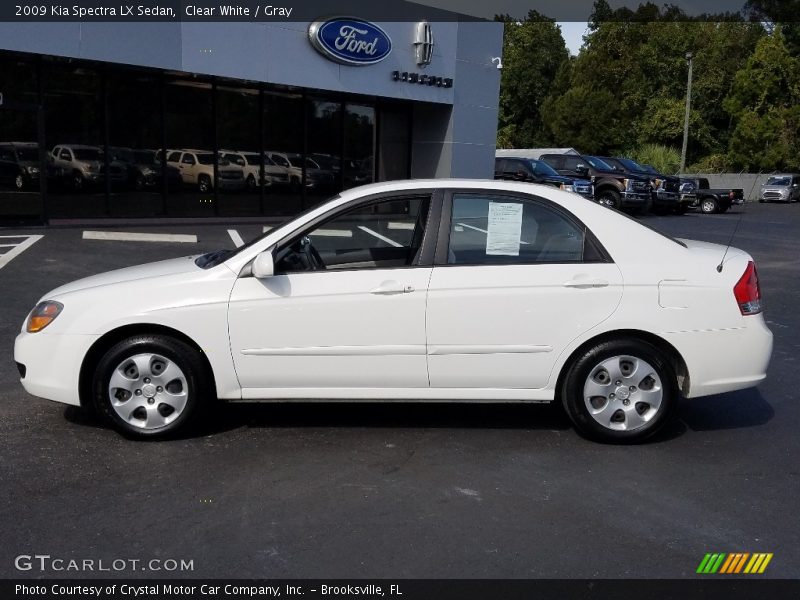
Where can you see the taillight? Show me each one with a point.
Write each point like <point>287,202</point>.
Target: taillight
<point>748,291</point>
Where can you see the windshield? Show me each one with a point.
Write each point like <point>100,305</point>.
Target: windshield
<point>650,169</point>
<point>29,153</point>
<point>598,164</point>
<point>630,164</point>
<point>781,181</point>
<point>144,157</point>
<point>542,168</point>
<point>252,159</point>
<point>87,154</point>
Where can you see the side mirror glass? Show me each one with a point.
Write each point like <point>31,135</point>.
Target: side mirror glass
<point>263,266</point>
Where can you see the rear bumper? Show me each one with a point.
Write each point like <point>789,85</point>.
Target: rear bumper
<point>52,364</point>
<point>725,360</point>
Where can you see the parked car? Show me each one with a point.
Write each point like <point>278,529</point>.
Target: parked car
<point>521,294</point>
<point>781,188</point>
<point>19,164</point>
<point>665,194</point>
<point>709,200</point>
<point>611,188</point>
<point>197,169</point>
<point>537,171</point>
<point>85,166</point>
<point>250,163</point>
<point>317,178</point>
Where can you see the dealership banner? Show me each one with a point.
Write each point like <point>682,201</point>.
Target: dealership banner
<point>402,589</point>
<point>309,10</point>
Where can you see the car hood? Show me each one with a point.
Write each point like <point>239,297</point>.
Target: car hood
<point>147,271</point>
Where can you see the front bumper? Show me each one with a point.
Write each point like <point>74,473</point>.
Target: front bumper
<point>667,199</point>
<point>52,364</point>
<point>634,199</point>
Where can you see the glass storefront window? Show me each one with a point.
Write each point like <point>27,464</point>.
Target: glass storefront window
<point>189,123</point>
<point>20,165</point>
<point>134,145</point>
<point>283,153</point>
<point>325,145</point>
<point>359,145</point>
<point>239,142</point>
<point>75,142</point>
<point>393,144</point>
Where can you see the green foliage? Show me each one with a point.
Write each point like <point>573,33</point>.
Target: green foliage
<point>763,103</point>
<point>533,52</point>
<point>627,87</point>
<point>713,163</point>
<point>665,159</point>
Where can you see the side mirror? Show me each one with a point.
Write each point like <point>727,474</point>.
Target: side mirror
<point>582,169</point>
<point>263,266</point>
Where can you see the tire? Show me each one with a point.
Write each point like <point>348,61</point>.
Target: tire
<point>761,200</point>
<point>629,412</point>
<point>609,197</point>
<point>77,181</point>
<point>19,182</point>
<point>682,209</point>
<point>709,206</point>
<point>139,182</point>
<point>204,184</point>
<point>251,183</point>
<point>159,385</point>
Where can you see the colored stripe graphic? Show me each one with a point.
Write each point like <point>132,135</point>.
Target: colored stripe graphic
<point>734,563</point>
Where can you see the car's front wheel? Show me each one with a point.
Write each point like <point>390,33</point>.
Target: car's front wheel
<point>609,197</point>
<point>150,386</point>
<point>620,391</point>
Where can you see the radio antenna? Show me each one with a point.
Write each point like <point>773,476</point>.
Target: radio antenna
<point>735,229</point>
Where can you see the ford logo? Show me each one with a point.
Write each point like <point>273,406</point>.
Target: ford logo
<point>350,41</point>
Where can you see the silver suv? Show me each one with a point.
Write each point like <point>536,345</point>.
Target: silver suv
<point>781,188</point>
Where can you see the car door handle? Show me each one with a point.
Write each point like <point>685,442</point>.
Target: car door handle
<point>583,284</point>
<point>388,288</point>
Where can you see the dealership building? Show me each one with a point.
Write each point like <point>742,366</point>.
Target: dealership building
<point>236,119</point>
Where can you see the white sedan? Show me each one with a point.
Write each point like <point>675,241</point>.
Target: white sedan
<point>438,291</point>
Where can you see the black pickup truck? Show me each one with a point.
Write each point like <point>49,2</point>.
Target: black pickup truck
<point>709,200</point>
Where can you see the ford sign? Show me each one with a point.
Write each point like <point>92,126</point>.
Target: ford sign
<point>350,41</point>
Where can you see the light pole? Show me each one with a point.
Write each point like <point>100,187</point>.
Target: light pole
<point>689,57</point>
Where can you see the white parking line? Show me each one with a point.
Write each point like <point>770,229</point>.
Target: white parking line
<point>237,239</point>
<point>332,233</point>
<point>17,249</point>
<point>408,226</point>
<point>380,237</point>
<point>125,236</point>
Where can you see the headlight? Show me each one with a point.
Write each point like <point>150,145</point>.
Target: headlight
<point>567,188</point>
<point>627,183</point>
<point>44,314</point>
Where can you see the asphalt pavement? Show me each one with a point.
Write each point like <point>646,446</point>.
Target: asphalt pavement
<point>404,490</point>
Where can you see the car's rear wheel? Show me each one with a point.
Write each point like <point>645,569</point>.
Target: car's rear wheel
<point>204,184</point>
<point>620,391</point>
<point>150,386</point>
<point>709,206</point>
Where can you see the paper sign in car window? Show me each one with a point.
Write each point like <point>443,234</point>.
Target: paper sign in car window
<point>505,229</point>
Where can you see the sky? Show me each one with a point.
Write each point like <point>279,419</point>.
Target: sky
<point>573,34</point>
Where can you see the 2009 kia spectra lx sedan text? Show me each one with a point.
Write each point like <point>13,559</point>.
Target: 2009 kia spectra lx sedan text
<point>445,290</point>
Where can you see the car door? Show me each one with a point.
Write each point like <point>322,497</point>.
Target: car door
<point>516,279</point>
<point>345,309</point>
<point>188,167</point>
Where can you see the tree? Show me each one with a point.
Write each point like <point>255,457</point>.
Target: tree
<point>533,52</point>
<point>585,118</point>
<point>779,12</point>
<point>764,103</point>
